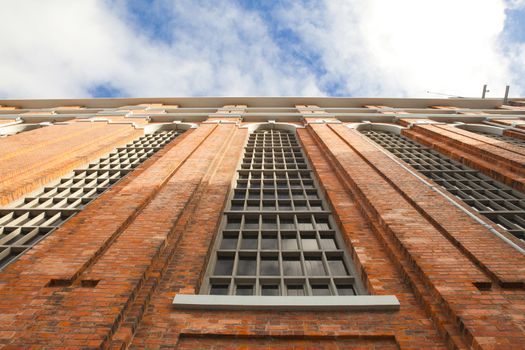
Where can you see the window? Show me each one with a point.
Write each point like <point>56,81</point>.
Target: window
<point>496,201</point>
<point>34,217</point>
<point>277,236</point>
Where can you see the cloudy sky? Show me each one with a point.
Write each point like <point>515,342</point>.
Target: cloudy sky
<point>112,48</point>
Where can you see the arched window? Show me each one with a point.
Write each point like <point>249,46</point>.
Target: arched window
<point>30,219</point>
<point>277,236</point>
<point>499,203</point>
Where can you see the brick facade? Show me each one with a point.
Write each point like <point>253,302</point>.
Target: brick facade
<point>107,277</point>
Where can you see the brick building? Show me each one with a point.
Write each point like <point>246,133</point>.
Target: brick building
<point>256,223</point>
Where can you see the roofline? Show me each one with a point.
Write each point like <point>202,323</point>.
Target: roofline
<point>199,102</point>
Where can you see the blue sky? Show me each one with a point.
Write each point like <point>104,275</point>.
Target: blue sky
<point>121,48</point>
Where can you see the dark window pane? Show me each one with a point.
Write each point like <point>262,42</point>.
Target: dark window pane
<point>337,267</point>
<point>283,195</point>
<point>292,267</point>
<point>314,266</point>
<point>345,289</point>
<point>309,243</point>
<point>246,266</point>
<point>305,224</point>
<point>224,266</point>
<point>238,206</point>
<point>244,290</point>
<point>322,224</point>
<point>219,289</point>
<point>295,290</point>
<point>269,242</point>
<point>249,242</point>
<point>289,243</point>
<point>251,223</point>
<point>269,205</point>
<point>269,267</point>
<point>328,243</point>
<point>287,224</point>
<point>233,223</point>
<point>284,205</point>
<point>229,242</point>
<point>297,195</point>
<point>320,289</point>
<point>269,195</point>
<point>242,184</point>
<point>270,289</point>
<point>269,223</point>
<point>252,207</point>
<point>300,206</point>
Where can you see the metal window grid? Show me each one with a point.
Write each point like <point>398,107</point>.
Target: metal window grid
<point>27,221</point>
<point>492,199</point>
<point>277,236</point>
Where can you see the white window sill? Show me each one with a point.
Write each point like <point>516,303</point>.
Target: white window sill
<point>291,303</point>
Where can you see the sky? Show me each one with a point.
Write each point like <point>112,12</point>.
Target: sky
<point>355,48</point>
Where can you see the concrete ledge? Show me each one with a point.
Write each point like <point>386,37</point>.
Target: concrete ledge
<point>291,303</point>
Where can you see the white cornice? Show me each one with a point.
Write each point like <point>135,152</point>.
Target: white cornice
<point>216,102</point>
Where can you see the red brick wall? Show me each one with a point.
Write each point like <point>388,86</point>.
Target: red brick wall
<point>106,279</point>
<point>516,134</point>
<point>285,343</point>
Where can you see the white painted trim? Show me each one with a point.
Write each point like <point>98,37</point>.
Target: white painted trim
<point>391,128</point>
<point>176,125</point>
<point>291,303</point>
<point>482,128</point>
<point>219,102</point>
<point>271,125</point>
<point>15,128</point>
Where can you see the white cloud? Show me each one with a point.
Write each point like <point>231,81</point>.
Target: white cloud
<point>515,4</point>
<point>62,48</point>
<point>406,47</point>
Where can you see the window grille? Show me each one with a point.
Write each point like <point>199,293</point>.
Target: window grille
<point>277,236</point>
<point>492,199</point>
<point>29,220</point>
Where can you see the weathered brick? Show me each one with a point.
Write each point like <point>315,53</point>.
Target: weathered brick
<point>118,264</point>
